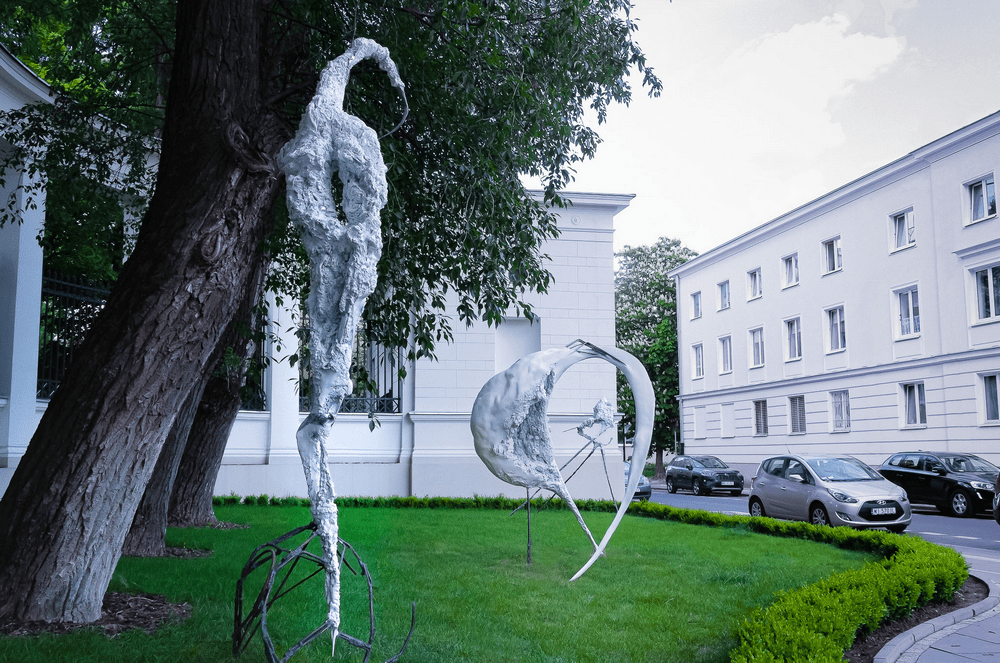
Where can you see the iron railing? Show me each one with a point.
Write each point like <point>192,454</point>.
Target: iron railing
<point>69,306</point>
<point>374,371</point>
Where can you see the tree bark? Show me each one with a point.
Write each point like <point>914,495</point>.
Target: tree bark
<point>64,518</point>
<point>660,472</point>
<point>190,501</point>
<point>147,536</point>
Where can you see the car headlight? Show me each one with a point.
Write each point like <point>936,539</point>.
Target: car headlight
<point>842,497</point>
<point>981,485</point>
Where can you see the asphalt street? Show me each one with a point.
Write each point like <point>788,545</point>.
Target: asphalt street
<point>976,538</point>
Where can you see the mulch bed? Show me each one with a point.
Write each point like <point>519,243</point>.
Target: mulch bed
<point>120,612</point>
<point>864,649</point>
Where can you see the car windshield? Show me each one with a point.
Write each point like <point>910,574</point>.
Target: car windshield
<point>711,461</point>
<point>843,469</point>
<point>968,464</point>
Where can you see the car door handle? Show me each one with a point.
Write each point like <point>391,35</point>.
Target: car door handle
<point>783,488</point>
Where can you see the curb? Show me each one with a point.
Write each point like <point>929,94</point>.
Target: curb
<point>902,642</point>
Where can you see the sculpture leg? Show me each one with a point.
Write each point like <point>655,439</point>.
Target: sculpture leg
<point>311,439</point>
<point>561,491</point>
<point>527,492</point>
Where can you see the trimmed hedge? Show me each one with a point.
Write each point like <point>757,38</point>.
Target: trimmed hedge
<point>815,623</point>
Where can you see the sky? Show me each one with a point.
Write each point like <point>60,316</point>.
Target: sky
<point>768,104</point>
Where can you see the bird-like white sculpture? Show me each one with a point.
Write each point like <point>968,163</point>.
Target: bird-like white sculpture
<point>510,425</point>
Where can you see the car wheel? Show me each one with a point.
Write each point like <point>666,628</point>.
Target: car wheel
<point>817,515</point>
<point>960,503</point>
<point>756,508</point>
<point>996,513</point>
<point>697,487</point>
<point>898,529</point>
<point>671,488</point>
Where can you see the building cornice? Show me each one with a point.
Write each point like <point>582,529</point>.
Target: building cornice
<point>21,79</point>
<point>915,161</point>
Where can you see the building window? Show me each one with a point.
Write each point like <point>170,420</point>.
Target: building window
<point>760,417</point>
<point>832,261</point>
<point>696,305</point>
<point>909,311</point>
<point>728,419</point>
<point>725,355</point>
<point>914,408</point>
<point>840,405</point>
<point>991,398</point>
<point>797,414</point>
<point>698,357</point>
<point>983,198</point>
<point>838,330</point>
<point>757,347</point>
<point>988,292</point>
<point>902,230</point>
<point>724,295</point>
<point>790,271</point>
<point>793,338</point>
<point>755,288</point>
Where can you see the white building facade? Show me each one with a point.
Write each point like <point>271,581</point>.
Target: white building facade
<point>424,446</point>
<point>866,322</point>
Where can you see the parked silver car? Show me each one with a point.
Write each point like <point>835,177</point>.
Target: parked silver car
<point>828,490</point>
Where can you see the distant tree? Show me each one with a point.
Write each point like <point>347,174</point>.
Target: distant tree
<point>496,90</point>
<point>646,326</point>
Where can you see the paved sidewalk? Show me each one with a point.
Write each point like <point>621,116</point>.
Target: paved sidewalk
<point>969,634</point>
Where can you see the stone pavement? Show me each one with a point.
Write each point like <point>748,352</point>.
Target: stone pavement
<point>969,634</point>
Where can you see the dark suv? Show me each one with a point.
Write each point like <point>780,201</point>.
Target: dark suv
<point>703,474</point>
<point>957,483</point>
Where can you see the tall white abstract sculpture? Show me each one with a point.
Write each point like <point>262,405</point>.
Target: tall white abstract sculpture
<point>510,425</point>
<point>343,258</point>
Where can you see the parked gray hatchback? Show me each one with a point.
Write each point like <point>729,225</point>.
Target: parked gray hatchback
<point>828,490</point>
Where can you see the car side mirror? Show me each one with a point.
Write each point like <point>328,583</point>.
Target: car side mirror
<point>939,470</point>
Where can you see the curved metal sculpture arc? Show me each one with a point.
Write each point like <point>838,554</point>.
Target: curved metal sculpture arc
<point>343,261</point>
<point>511,431</point>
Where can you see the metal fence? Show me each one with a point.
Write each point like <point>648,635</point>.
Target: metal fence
<point>374,371</point>
<point>68,308</point>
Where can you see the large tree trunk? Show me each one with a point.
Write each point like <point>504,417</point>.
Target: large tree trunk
<point>191,501</point>
<point>74,494</point>
<point>147,536</point>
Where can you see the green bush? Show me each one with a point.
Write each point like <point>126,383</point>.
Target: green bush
<point>814,623</point>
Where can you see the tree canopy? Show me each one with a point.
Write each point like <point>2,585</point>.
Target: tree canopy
<point>646,326</point>
<point>497,90</point>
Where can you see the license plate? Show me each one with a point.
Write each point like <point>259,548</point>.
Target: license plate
<point>727,483</point>
<point>883,511</point>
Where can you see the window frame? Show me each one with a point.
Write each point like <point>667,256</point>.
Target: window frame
<point>760,418</point>
<point>725,354</point>
<point>835,253</point>
<point>696,305</point>
<point>990,399</point>
<point>992,272</point>
<point>789,261</point>
<point>797,411</point>
<point>754,345</point>
<point>843,425</point>
<point>906,327</point>
<point>755,284</point>
<point>986,182</point>
<point>698,361</point>
<point>919,403</point>
<point>841,333</point>
<point>797,322</point>
<point>727,301</point>
<point>908,229</point>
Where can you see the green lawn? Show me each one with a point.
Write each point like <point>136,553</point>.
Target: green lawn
<point>665,592</point>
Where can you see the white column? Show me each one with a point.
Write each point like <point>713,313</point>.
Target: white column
<point>20,296</point>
